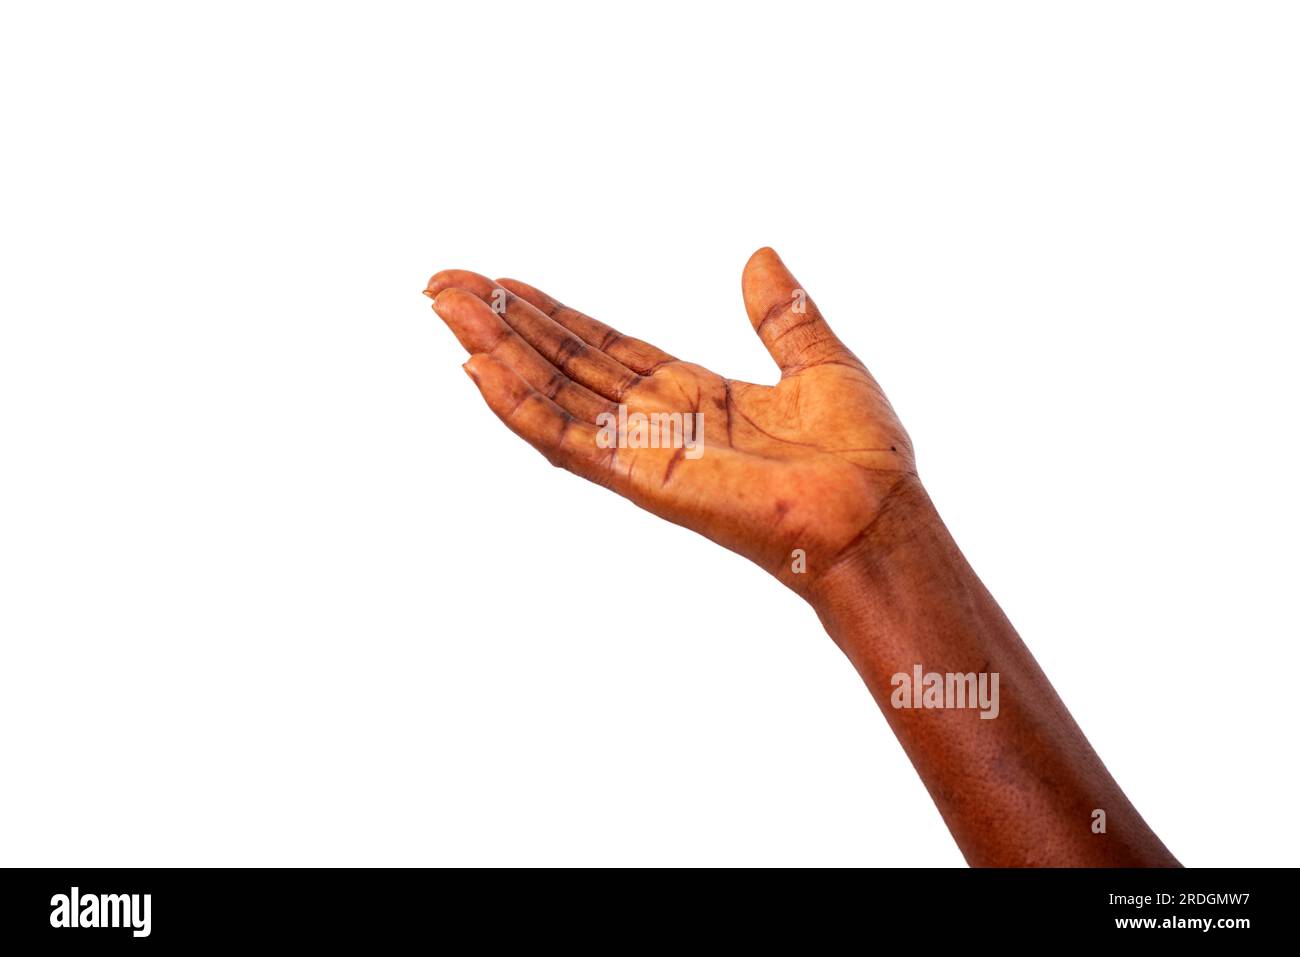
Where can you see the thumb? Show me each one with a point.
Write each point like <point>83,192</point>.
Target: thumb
<point>787,321</point>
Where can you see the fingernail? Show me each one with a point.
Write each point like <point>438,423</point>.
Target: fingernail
<point>470,372</point>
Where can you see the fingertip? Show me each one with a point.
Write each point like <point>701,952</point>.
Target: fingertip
<point>462,278</point>
<point>471,321</point>
<point>764,255</point>
<point>436,282</point>
<point>483,368</point>
<point>492,377</point>
<point>451,299</point>
<point>471,368</point>
<point>502,388</point>
<point>765,284</point>
<point>765,264</point>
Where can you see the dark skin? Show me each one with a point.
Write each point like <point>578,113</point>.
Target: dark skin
<point>817,466</point>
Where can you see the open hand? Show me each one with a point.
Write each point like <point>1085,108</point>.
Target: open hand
<point>791,476</point>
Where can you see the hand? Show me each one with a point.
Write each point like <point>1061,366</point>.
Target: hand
<point>807,464</point>
<point>817,462</point>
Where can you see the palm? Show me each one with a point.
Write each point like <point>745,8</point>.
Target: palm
<point>803,465</point>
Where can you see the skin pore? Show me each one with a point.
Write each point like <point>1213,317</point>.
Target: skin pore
<point>816,465</point>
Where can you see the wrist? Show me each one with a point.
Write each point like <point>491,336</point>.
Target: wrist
<point>904,594</point>
<point>905,537</point>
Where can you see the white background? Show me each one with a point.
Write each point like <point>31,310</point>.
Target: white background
<point>276,588</point>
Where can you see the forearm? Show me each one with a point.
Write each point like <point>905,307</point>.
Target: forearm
<point>1020,788</point>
